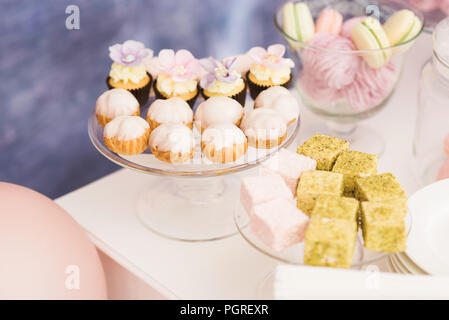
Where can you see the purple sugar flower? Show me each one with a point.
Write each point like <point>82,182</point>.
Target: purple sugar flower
<point>218,71</point>
<point>130,53</point>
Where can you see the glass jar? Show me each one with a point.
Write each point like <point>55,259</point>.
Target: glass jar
<point>432,124</point>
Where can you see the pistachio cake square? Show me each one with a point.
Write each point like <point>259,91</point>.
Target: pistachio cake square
<point>325,150</point>
<point>354,164</point>
<point>383,226</point>
<point>329,243</point>
<point>314,183</point>
<point>382,187</point>
<point>336,207</point>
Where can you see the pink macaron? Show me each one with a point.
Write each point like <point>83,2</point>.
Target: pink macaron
<point>349,24</point>
<point>329,21</point>
<point>426,5</point>
<point>444,6</point>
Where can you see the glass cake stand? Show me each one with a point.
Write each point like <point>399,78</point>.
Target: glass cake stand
<point>193,201</point>
<point>363,259</point>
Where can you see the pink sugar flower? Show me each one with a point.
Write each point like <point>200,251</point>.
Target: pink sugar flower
<point>181,66</point>
<point>272,57</point>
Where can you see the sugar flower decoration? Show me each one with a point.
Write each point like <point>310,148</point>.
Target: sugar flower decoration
<point>181,66</point>
<point>272,57</point>
<point>224,72</point>
<point>130,53</point>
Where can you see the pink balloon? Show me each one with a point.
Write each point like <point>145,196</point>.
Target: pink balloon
<point>44,253</point>
<point>443,173</point>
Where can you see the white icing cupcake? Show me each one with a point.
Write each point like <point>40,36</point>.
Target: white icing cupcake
<point>217,110</point>
<point>265,128</point>
<point>172,143</point>
<point>127,135</point>
<point>281,100</point>
<point>223,143</point>
<point>114,103</point>
<point>174,110</point>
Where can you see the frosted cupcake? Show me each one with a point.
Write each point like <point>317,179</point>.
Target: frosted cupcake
<point>222,79</point>
<point>128,70</point>
<point>172,143</point>
<point>268,69</point>
<point>173,110</point>
<point>114,103</point>
<point>178,76</point>
<point>223,143</point>
<point>265,128</point>
<point>127,135</point>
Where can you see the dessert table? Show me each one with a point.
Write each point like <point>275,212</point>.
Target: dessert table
<point>141,264</point>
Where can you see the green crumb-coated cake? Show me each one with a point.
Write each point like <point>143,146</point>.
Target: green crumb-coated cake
<point>382,187</point>
<point>336,207</point>
<point>314,183</point>
<point>354,164</point>
<point>383,226</point>
<point>325,150</point>
<point>329,243</point>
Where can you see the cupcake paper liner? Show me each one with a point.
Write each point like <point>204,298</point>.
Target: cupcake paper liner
<point>255,89</point>
<point>190,102</point>
<point>239,97</point>
<point>142,94</point>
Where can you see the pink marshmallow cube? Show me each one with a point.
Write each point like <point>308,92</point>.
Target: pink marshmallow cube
<point>289,165</point>
<point>279,224</point>
<point>260,189</point>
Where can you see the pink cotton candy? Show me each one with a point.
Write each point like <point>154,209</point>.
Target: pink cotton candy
<point>317,89</point>
<point>335,69</point>
<point>349,24</point>
<point>370,86</point>
<point>426,5</point>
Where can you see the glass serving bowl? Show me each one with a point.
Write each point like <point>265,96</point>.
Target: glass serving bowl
<point>338,84</point>
<point>191,201</point>
<point>363,259</point>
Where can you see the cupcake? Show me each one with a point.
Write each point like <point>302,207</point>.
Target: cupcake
<point>177,76</point>
<point>217,110</point>
<point>172,143</point>
<point>223,143</point>
<point>127,135</point>
<point>281,100</point>
<point>128,70</point>
<point>222,79</point>
<point>269,69</point>
<point>265,128</point>
<point>114,103</point>
<point>173,110</point>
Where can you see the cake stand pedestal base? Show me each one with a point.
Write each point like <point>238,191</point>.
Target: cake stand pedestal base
<point>190,209</point>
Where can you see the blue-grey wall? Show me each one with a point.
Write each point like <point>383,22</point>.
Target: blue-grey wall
<point>50,77</point>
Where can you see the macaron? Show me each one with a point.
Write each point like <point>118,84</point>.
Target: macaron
<point>425,5</point>
<point>298,21</point>
<point>329,21</point>
<point>402,26</point>
<point>369,35</point>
